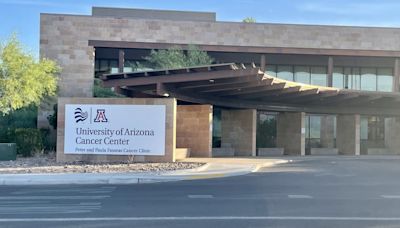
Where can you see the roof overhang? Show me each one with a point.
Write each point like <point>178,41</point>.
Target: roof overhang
<point>239,86</point>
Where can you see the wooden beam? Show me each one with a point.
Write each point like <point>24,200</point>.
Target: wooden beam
<point>184,77</point>
<point>219,88</point>
<point>272,93</point>
<point>340,98</point>
<point>293,96</point>
<point>284,107</point>
<point>193,86</point>
<point>253,90</point>
<point>322,95</point>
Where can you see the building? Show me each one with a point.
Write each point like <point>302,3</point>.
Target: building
<point>326,89</point>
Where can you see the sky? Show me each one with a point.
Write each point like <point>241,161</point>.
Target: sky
<point>22,16</point>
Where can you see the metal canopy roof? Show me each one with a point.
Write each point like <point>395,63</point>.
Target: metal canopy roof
<point>240,86</point>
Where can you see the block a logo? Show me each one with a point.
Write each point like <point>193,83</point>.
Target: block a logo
<point>101,116</point>
<point>80,115</point>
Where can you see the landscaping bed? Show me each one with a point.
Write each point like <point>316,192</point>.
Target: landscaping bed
<point>48,164</point>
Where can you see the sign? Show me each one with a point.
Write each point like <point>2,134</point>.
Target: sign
<point>114,129</point>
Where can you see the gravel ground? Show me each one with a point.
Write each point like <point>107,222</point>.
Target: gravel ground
<point>47,164</point>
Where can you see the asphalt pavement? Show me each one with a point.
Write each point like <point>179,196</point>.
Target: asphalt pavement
<point>336,191</point>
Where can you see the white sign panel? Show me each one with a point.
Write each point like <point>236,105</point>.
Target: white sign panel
<point>114,129</point>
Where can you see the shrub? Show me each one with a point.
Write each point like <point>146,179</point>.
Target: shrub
<point>28,140</point>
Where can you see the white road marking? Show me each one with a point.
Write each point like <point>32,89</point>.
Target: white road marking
<point>200,196</point>
<point>299,197</point>
<point>201,218</point>
<point>52,197</point>
<point>391,196</point>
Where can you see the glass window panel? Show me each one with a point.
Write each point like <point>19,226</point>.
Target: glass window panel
<point>338,77</point>
<point>307,126</point>
<point>364,127</point>
<point>113,63</point>
<point>385,79</point>
<point>318,76</point>
<point>114,70</point>
<point>302,74</point>
<point>128,69</point>
<point>315,127</point>
<point>353,78</point>
<point>96,65</point>
<point>216,126</point>
<point>103,65</point>
<point>271,70</point>
<point>266,130</point>
<point>285,72</point>
<point>368,79</point>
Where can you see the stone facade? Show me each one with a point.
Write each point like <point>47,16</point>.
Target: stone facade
<point>170,130</point>
<point>64,38</point>
<point>194,129</point>
<point>348,134</point>
<point>291,133</point>
<point>238,131</point>
<point>392,133</point>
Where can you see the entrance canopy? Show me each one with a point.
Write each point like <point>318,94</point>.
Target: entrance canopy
<point>239,86</point>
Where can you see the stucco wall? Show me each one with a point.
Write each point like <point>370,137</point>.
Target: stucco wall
<point>170,129</point>
<point>193,129</point>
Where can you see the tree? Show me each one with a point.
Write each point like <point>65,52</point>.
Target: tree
<point>249,20</point>
<point>23,79</point>
<point>100,91</point>
<point>175,57</point>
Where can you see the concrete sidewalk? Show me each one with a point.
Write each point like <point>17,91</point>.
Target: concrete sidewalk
<point>214,168</point>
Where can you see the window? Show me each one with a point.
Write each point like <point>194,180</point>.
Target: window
<point>271,70</point>
<point>368,79</point>
<point>266,130</point>
<point>338,77</point>
<point>385,79</point>
<point>302,74</point>
<point>318,76</point>
<point>285,72</point>
<point>216,126</point>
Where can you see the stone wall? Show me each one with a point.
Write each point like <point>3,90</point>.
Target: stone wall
<point>392,133</point>
<point>194,129</point>
<point>291,133</point>
<point>170,129</point>
<point>64,38</point>
<point>348,134</point>
<point>238,131</point>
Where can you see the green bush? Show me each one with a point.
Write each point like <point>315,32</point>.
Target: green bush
<point>48,139</point>
<point>28,140</point>
<point>99,91</point>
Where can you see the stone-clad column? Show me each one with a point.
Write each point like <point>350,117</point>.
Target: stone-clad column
<point>348,134</point>
<point>392,135</point>
<point>238,131</point>
<point>193,129</point>
<point>291,132</point>
<point>327,131</point>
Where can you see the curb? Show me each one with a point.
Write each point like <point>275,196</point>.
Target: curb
<point>130,178</point>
